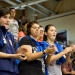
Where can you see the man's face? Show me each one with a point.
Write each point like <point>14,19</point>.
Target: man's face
<point>41,31</point>
<point>4,20</point>
<point>23,18</point>
<point>12,12</point>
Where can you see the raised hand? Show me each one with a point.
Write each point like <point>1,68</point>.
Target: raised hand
<point>67,50</point>
<point>73,47</point>
<point>51,50</point>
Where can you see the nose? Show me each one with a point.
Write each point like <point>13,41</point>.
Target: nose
<point>37,29</point>
<point>55,32</point>
<point>8,19</point>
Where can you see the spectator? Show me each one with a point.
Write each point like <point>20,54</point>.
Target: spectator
<point>40,37</point>
<point>13,26</point>
<point>8,65</point>
<point>21,20</point>
<point>23,29</point>
<point>54,65</point>
<point>73,64</point>
<point>67,68</point>
<point>35,64</point>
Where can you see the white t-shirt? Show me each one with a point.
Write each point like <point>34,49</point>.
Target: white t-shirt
<point>54,69</point>
<point>13,28</point>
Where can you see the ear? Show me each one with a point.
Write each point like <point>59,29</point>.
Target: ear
<point>45,33</point>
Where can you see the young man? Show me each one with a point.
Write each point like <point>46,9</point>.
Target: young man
<point>8,65</point>
<point>40,38</point>
<point>21,20</point>
<point>13,26</point>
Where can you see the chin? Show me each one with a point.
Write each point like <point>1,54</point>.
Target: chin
<point>6,27</point>
<point>36,36</point>
<point>53,39</point>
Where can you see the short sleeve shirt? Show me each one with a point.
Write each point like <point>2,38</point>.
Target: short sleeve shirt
<point>34,67</point>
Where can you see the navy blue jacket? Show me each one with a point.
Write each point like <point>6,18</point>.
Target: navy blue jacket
<point>6,43</point>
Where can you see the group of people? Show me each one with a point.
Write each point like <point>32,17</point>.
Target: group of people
<point>36,57</point>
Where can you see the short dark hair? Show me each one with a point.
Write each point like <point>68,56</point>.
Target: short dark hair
<point>41,26</point>
<point>29,25</point>
<point>22,16</point>
<point>4,11</point>
<point>12,8</point>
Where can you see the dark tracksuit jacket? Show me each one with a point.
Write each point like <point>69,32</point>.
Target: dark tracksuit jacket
<point>8,66</point>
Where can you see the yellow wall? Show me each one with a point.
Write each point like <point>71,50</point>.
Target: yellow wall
<point>64,23</point>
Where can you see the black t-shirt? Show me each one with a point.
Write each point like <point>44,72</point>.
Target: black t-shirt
<point>35,67</point>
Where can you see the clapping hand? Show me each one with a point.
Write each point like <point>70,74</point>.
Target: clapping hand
<point>73,47</point>
<point>20,53</point>
<point>21,57</point>
<point>69,49</point>
<point>51,50</point>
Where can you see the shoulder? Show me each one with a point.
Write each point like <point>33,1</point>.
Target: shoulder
<point>25,41</point>
<point>45,43</point>
<point>25,38</point>
<point>16,21</point>
<point>59,46</point>
<point>9,34</point>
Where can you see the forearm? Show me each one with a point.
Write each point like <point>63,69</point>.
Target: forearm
<point>5,55</point>
<point>73,72</point>
<point>48,59</point>
<point>67,59</point>
<point>56,57</point>
<point>66,72</point>
<point>34,56</point>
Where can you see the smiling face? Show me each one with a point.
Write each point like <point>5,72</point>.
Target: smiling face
<point>4,20</point>
<point>51,33</point>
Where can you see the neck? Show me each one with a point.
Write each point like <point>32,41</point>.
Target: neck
<point>12,17</point>
<point>4,30</point>
<point>50,41</point>
<point>35,38</point>
<point>41,37</point>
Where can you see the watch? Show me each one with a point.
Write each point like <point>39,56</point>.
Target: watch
<point>44,53</point>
